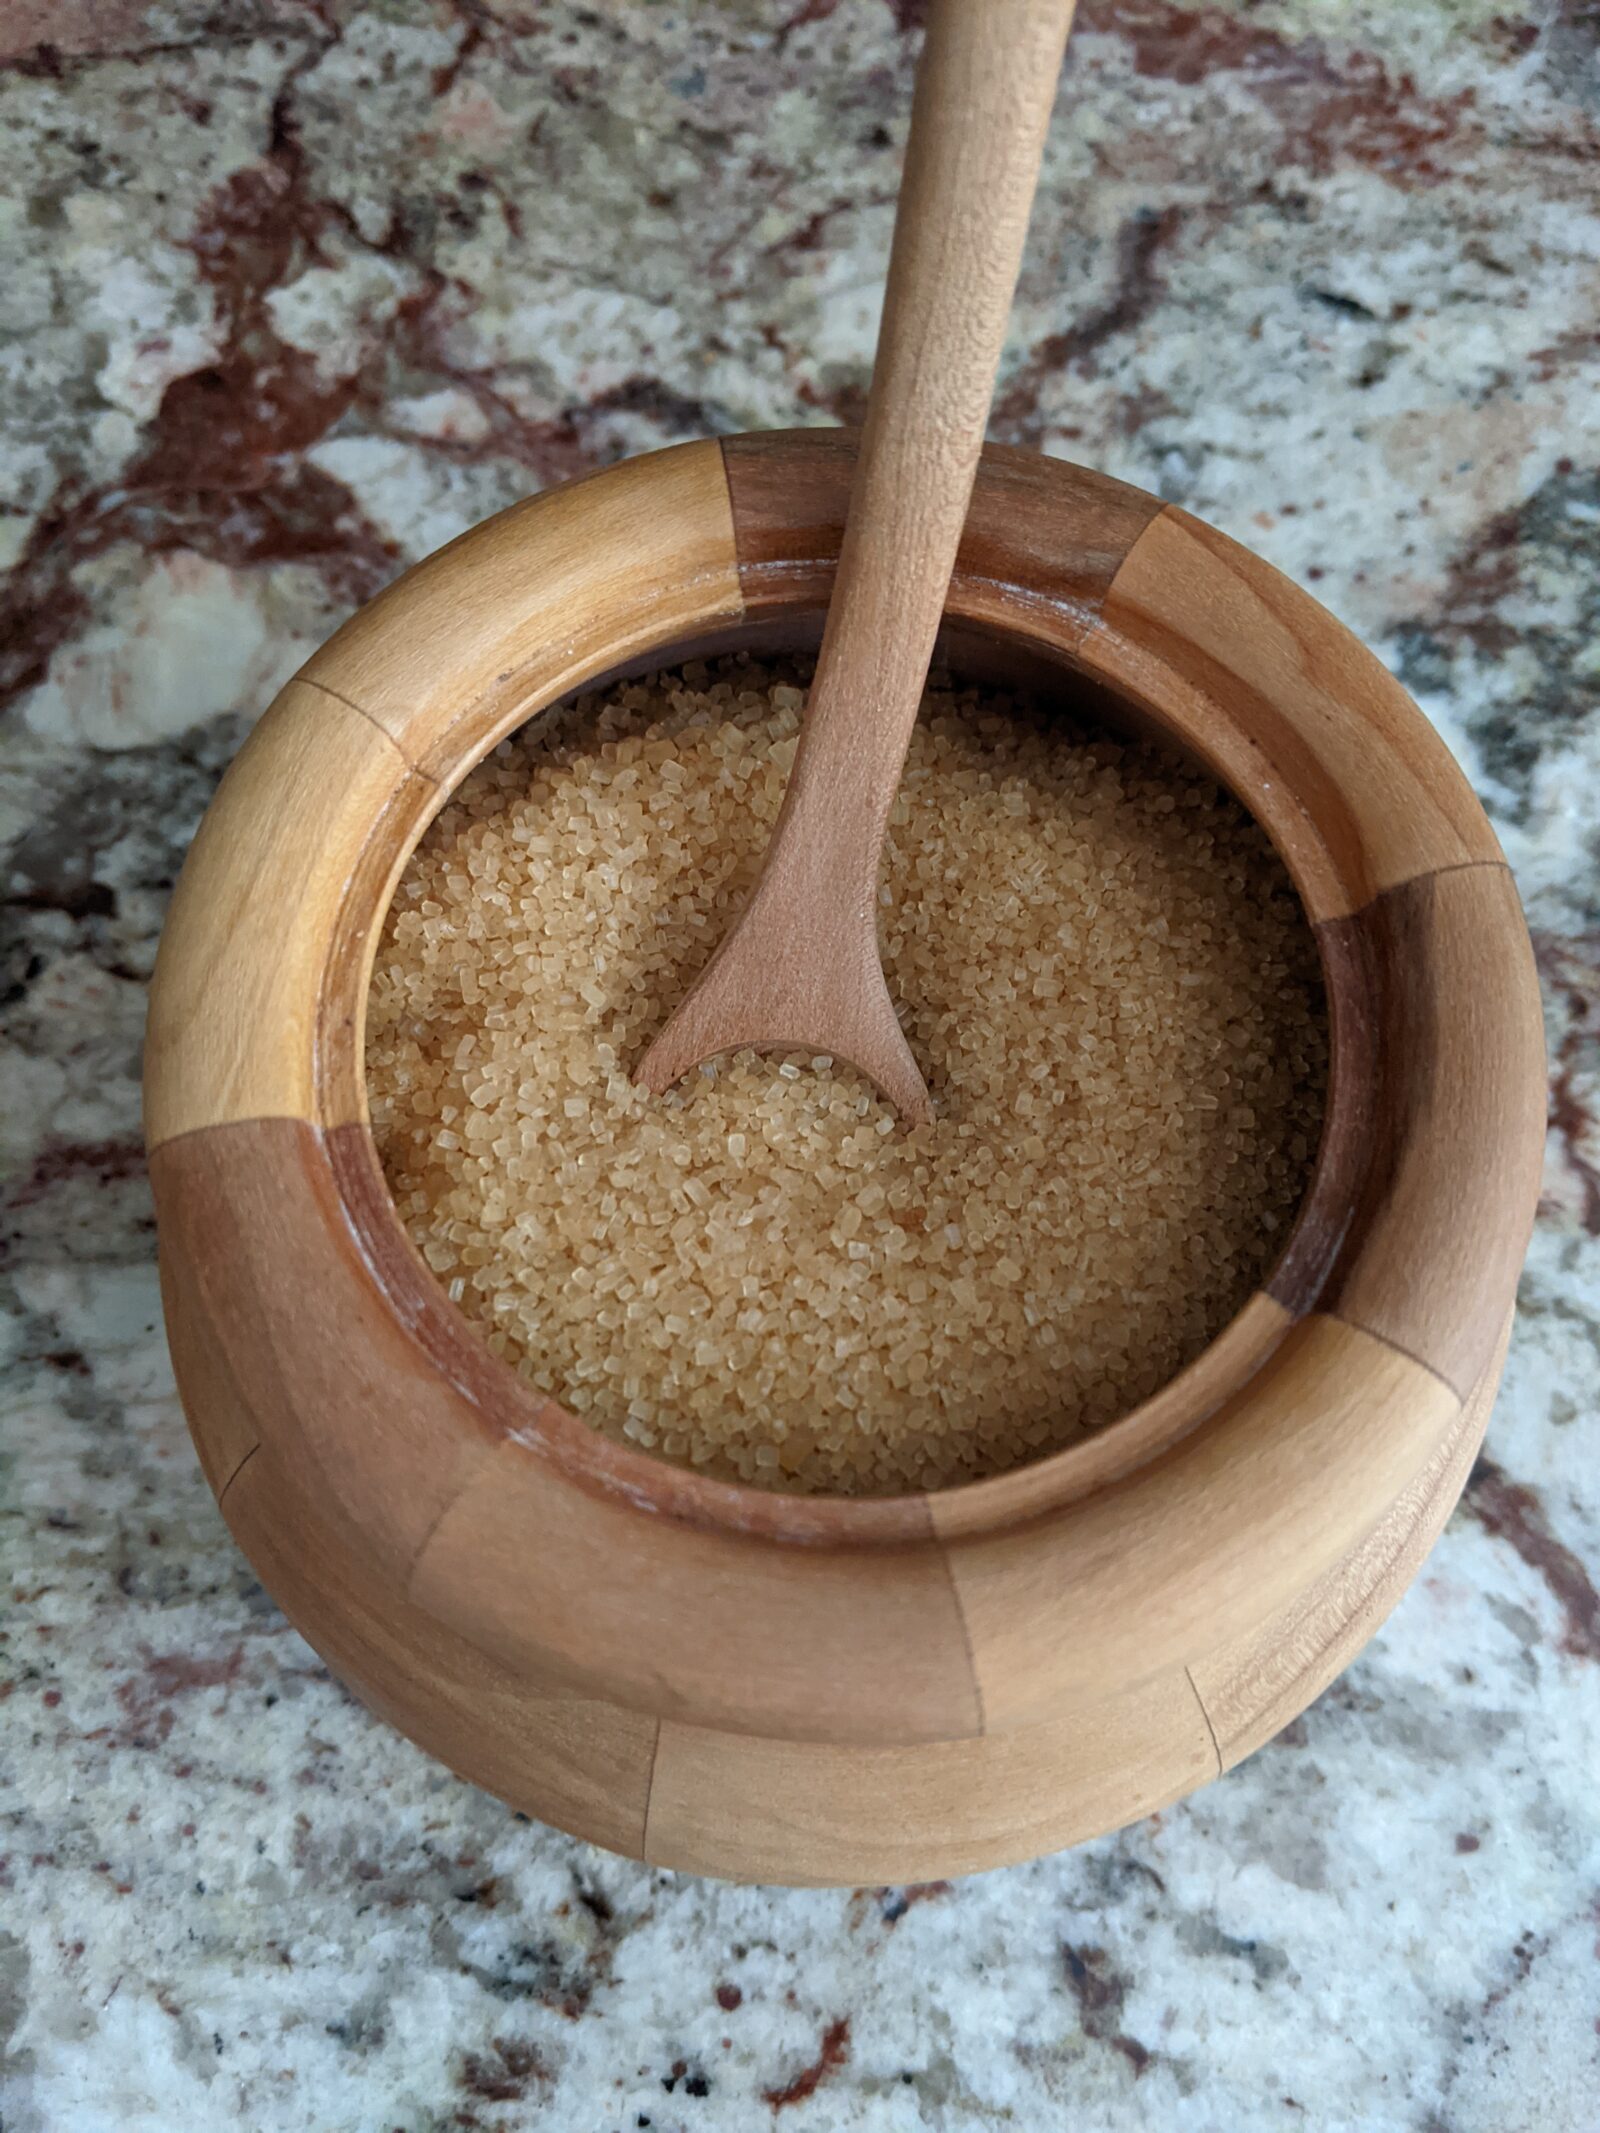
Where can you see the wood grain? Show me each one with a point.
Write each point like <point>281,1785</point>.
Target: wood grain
<point>528,606</point>
<point>1292,711</point>
<point>1253,1686</point>
<point>576,1589</point>
<point>576,1762</point>
<point>764,1811</point>
<point>804,1813</point>
<point>234,1003</point>
<point>222,1422</point>
<point>345,770</point>
<point>255,1249</point>
<point>1207,1542</point>
<point>1433,1174</point>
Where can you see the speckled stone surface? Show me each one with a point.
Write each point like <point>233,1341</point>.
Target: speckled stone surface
<point>294,290</point>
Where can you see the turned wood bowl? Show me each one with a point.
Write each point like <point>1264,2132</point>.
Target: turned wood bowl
<point>708,1676</point>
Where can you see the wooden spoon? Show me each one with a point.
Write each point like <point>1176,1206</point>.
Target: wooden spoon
<point>800,968</point>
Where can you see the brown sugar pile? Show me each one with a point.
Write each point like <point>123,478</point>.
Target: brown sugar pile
<point>1104,972</point>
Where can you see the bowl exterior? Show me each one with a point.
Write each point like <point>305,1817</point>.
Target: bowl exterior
<point>736,1683</point>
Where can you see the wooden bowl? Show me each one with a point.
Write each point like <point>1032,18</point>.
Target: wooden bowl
<point>711,1677</point>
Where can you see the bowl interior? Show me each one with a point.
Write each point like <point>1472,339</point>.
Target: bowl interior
<point>971,652</point>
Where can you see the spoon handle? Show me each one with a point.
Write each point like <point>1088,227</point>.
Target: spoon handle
<point>800,965</point>
<point>983,99</point>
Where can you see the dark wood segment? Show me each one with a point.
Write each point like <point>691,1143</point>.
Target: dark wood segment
<point>1354,1021</point>
<point>578,1763</point>
<point>1039,533</point>
<point>1429,1175</point>
<point>256,1248</point>
<point>221,1420</point>
<point>790,490</point>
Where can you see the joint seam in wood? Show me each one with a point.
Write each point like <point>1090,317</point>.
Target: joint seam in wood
<point>966,1638</point>
<point>1216,1747</point>
<point>309,681</point>
<point>222,1493</point>
<point>650,1793</point>
<point>1357,1325</point>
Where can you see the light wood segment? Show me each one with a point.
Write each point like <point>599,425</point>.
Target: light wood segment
<point>532,603</point>
<point>1109,1455</point>
<point>1251,1688</point>
<point>762,1810</point>
<point>233,1007</point>
<point>1208,1541</point>
<point>1432,1181</point>
<point>255,1252</point>
<point>581,1590</point>
<point>1292,711</point>
<point>578,1763</point>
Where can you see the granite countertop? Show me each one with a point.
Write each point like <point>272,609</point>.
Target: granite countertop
<point>296,289</point>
